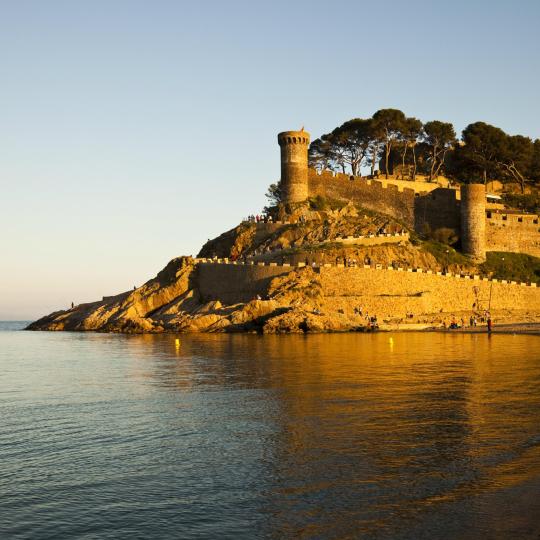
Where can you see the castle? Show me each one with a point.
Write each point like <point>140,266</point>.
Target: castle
<point>421,206</point>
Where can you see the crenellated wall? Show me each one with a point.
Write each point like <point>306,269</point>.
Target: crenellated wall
<point>391,292</point>
<point>513,232</point>
<point>440,208</point>
<point>416,204</point>
<point>386,291</point>
<point>375,195</point>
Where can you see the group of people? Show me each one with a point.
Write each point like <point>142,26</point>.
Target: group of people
<point>351,261</point>
<point>371,320</point>
<point>473,322</point>
<point>259,218</point>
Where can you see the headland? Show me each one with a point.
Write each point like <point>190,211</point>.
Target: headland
<point>339,252</point>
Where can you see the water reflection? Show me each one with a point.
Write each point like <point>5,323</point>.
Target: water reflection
<point>375,433</point>
<point>331,436</point>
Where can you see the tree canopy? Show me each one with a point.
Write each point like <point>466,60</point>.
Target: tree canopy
<point>391,142</point>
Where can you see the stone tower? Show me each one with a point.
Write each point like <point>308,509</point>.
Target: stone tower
<point>294,165</point>
<point>473,221</point>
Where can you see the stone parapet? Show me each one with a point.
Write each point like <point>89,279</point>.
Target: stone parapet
<point>373,267</point>
<point>382,291</point>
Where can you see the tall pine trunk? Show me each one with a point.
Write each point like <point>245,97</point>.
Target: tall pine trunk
<point>387,158</point>
<point>374,159</point>
<point>403,156</point>
<point>433,161</point>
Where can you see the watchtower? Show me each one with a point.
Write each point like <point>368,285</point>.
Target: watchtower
<point>294,165</point>
<point>473,221</point>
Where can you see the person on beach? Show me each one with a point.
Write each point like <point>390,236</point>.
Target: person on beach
<point>489,325</point>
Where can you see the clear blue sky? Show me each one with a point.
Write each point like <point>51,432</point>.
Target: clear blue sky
<point>133,131</point>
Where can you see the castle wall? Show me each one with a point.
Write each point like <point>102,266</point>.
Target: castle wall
<point>512,232</point>
<point>436,210</point>
<point>394,293</point>
<point>232,283</point>
<point>417,204</point>
<point>383,292</point>
<point>428,207</point>
<point>371,194</point>
<point>425,207</point>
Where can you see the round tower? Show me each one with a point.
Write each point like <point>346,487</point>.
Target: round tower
<point>473,221</point>
<point>294,165</point>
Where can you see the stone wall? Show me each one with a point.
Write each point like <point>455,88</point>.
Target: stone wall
<point>427,207</point>
<point>437,209</point>
<point>513,232</point>
<point>231,283</point>
<point>416,204</point>
<point>394,293</point>
<point>371,194</point>
<point>381,291</point>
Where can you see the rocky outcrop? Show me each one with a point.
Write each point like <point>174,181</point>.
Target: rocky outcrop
<point>130,311</point>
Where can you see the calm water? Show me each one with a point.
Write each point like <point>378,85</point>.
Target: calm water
<point>404,436</point>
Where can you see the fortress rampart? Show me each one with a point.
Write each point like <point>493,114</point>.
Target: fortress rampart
<point>374,195</point>
<point>385,291</point>
<point>513,232</point>
<point>231,283</point>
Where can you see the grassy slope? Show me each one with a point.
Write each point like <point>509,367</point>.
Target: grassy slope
<point>512,266</point>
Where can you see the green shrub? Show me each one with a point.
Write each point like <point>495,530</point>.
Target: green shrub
<point>445,254</point>
<point>512,266</point>
<point>318,203</point>
<point>445,235</point>
<point>527,203</point>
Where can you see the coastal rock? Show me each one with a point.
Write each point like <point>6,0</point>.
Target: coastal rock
<point>127,312</point>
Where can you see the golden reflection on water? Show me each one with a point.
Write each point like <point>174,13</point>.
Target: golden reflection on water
<point>370,426</point>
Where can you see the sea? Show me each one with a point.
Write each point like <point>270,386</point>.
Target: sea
<point>382,435</point>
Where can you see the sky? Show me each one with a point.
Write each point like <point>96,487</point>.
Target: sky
<point>132,131</point>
